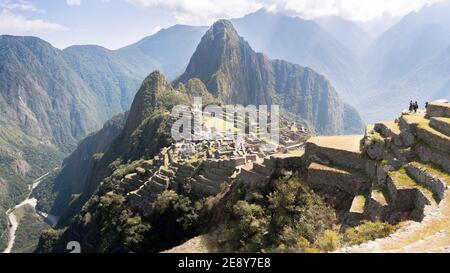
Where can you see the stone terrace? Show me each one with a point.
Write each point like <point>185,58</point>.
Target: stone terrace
<point>412,181</point>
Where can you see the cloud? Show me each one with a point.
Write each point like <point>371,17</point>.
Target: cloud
<point>15,24</point>
<point>201,11</point>
<point>205,11</point>
<point>73,2</point>
<point>19,5</point>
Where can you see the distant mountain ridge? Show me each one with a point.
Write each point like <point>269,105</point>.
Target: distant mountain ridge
<point>223,66</point>
<point>50,99</point>
<point>306,43</point>
<point>409,61</point>
<point>234,73</point>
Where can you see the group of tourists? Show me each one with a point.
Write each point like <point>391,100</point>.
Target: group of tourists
<point>413,106</point>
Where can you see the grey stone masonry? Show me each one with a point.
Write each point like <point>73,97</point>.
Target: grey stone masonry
<point>337,157</point>
<point>437,182</point>
<point>434,139</point>
<point>441,124</point>
<point>378,206</point>
<point>319,174</point>
<point>437,109</point>
<point>428,154</point>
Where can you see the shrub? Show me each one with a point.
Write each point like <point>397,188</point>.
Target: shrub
<point>286,216</point>
<point>329,241</point>
<point>251,227</point>
<point>173,220</point>
<point>367,231</point>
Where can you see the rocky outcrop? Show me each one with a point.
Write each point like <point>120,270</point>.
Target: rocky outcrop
<point>77,167</point>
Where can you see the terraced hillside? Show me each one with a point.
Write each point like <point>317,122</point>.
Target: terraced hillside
<point>416,162</point>
<point>398,172</point>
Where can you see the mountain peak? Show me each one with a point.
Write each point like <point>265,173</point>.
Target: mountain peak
<point>234,73</point>
<point>222,30</point>
<point>221,49</point>
<point>146,99</point>
<point>222,24</point>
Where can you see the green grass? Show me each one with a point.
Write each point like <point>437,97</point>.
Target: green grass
<point>376,138</point>
<point>28,231</point>
<point>382,194</point>
<point>367,231</point>
<point>403,179</point>
<point>436,170</point>
<point>359,203</point>
<point>3,229</point>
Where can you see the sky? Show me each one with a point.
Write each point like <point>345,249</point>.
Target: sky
<point>117,23</point>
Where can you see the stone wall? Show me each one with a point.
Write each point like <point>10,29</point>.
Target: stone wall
<point>336,157</point>
<point>438,110</point>
<point>428,154</point>
<point>332,177</point>
<point>435,183</point>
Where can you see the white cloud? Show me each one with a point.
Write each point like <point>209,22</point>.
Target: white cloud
<point>73,2</point>
<point>205,11</point>
<point>19,5</point>
<point>15,24</point>
<point>201,11</point>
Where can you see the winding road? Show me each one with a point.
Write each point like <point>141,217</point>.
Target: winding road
<point>31,202</point>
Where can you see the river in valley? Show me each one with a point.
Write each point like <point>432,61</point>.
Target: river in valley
<point>13,224</point>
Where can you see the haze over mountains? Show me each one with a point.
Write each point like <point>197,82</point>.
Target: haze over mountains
<point>234,73</point>
<point>223,66</point>
<point>52,99</point>
<point>410,61</point>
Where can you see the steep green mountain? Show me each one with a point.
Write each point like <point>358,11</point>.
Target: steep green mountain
<point>49,100</point>
<point>229,79</point>
<point>126,138</point>
<point>44,109</point>
<point>234,73</point>
<point>110,75</point>
<point>75,169</point>
<point>306,43</point>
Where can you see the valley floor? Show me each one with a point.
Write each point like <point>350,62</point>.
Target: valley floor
<point>13,219</point>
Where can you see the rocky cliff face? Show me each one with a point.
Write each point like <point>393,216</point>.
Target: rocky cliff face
<point>235,73</point>
<point>308,44</point>
<point>76,168</point>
